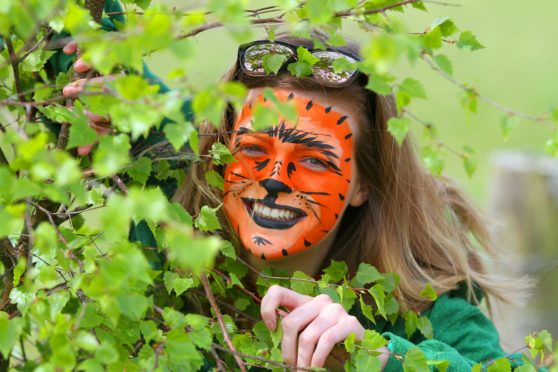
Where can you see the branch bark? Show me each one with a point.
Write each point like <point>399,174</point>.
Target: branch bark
<point>215,307</point>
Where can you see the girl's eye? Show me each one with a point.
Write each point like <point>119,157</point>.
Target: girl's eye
<point>315,164</point>
<point>252,150</point>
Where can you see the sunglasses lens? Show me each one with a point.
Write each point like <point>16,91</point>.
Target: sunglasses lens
<point>254,56</point>
<point>323,69</point>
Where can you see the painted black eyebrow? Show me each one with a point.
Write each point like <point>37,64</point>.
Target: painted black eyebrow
<point>293,135</point>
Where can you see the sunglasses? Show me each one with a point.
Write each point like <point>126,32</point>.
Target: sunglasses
<point>251,61</point>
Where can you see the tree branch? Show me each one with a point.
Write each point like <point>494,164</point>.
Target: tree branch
<point>211,298</point>
<point>14,62</point>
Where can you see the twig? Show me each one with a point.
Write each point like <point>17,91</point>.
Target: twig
<point>539,119</point>
<point>220,364</point>
<point>14,62</point>
<point>211,298</point>
<point>261,359</point>
<point>209,26</point>
<point>119,183</point>
<point>35,46</point>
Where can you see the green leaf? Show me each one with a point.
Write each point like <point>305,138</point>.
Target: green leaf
<point>415,361</point>
<point>433,39</point>
<point>207,219</point>
<point>366,310</point>
<point>305,286</point>
<point>10,330</point>
<point>347,296</point>
<point>432,160</point>
<point>263,116</point>
<point>133,306</point>
<point>446,26</point>
<point>182,284</point>
<point>441,365</point>
<point>380,84</point>
<point>429,292</point>
<point>227,249</point>
<point>336,270</point>
<point>178,133</point>
<point>379,295</point>
<point>134,87</point>
<point>208,106</point>
<point>468,41</point>
<point>18,271</point>
<point>425,327</point>
<point>188,253</point>
<point>140,170</point>
<point>398,127</point>
<point>500,365</point>
<point>444,63</point>
<point>220,154</point>
<point>470,165</point>
<point>551,145</point>
<point>303,66</point>
<point>366,274</point>
<point>372,340</point>
<point>349,343</point>
<point>507,123</point>
<point>111,155</point>
<point>413,88</point>
<point>273,62</point>
<point>277,334</point>
<point>419,5</point>
<point>411,322</point>
<point>215,179</point>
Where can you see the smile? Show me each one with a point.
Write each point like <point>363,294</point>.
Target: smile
<point>271,215</point>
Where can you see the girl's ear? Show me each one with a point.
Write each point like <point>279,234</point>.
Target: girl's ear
<point>360,195</point>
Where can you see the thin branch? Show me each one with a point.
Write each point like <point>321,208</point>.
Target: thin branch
<point>35,46</point>
<point>261,359</point>
<point>211,298</point>
<point>209,26</point>
<point>14,62</point>
<point>539,119</point>
<point>119,183</point>
<point>221,366</point>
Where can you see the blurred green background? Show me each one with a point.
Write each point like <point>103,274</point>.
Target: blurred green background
<point>517,69</point>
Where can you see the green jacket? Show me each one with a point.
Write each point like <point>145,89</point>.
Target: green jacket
<point>463,335</point>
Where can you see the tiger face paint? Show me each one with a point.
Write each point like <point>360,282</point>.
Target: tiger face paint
<point>288,186</point>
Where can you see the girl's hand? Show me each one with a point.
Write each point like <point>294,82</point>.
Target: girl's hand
<point>100,123</point>
<point>312,327</point>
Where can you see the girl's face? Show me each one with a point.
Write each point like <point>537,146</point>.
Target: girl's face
<point>291,182</point>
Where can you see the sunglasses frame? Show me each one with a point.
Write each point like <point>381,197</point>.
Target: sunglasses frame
<point>244,47</point>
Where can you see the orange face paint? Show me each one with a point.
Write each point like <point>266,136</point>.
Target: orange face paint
<point>288,186</point>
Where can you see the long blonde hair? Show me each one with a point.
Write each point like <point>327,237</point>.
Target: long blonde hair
<point>421,227</point>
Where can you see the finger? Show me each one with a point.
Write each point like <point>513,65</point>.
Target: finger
<point>74,88</point>
<point>279,296</point>
<point>84,150</point>
<point>296,321</point>
<point>80,66</point>
<point>70,48</point>
<point>309,337</point>
<point>98,122</point>
<point>333,335</point>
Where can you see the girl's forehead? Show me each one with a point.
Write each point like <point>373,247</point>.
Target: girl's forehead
<point>330,107</point>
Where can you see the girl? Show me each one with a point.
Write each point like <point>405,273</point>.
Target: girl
<point>334,185</point>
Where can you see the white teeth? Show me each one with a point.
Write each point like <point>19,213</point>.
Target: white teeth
<point>273,213</point>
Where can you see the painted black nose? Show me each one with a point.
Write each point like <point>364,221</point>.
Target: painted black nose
<point>274,186</point>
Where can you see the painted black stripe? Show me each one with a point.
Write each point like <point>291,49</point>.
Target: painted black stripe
<point>341,120</point>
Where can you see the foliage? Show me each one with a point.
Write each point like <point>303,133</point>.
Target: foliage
<point>77,292</point>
